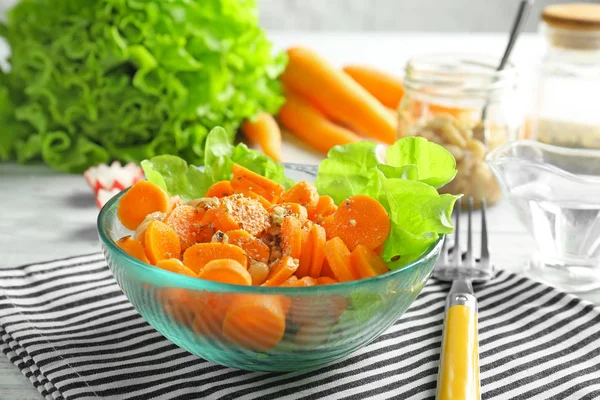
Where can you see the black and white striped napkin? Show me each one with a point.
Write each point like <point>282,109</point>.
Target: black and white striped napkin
<point>67,326</point>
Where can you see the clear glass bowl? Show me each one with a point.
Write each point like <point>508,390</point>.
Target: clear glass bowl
<point>322,323</point>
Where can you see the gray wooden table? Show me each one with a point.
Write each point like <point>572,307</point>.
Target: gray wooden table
<point>46,215</point>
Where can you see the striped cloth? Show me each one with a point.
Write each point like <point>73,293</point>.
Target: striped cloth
<point>67,326</point>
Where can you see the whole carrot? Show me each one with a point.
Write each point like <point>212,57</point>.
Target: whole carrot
<point>338,94</point>
<point>301,119</point>
<point>263,129</point>
<point>384,87</point>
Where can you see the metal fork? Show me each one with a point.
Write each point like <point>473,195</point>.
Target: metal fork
<point>458,376</point>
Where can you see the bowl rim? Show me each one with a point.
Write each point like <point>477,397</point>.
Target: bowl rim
<point>188,282</point>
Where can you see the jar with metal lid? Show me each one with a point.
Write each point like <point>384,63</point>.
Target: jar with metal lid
<point>567,107</point>
<point>465,104</point>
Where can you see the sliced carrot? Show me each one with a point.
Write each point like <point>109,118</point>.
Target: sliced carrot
<point>290,281</point>
<point>338,257</point>
<point>305,258</point>
<point>302,193</point>
<point>187,222</point>
<point>237,211</point>
<point>304,282</point>
<point>338,94</point>
<point>255,322</point>
<point>317,239</point>
<point>219,189</point>
<point>263,129</point>
<point>141,199</point>
<point>379,250</point>
<point>259,272</point>
<point>197,256</point>
<point>209,314</point>
<point>175,265</point>
<point>244,187</point>
<point>384,87</point>
<point>325,280</point>
<point>226,271</point>
<point>282,270</point>
<point>241,184</point>
<point>325,206</point>
<point>293,209</point>
<point>273,189</point>
<point>255,249</point>
<point>132,247</point>
<point>367,263</point>
<point>161,242</point>
<point>291,237</point>
<point>326,271</point>
<point>328,224</point>
<point>361,220</point>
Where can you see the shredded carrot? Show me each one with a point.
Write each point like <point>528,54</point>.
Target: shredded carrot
<point>161,242</point>
<point>197,256</point>
<point>141,199</point>
<point>132,247</point>
<point>264,131</point>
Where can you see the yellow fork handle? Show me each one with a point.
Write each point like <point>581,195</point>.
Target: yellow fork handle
<point>458,377</point>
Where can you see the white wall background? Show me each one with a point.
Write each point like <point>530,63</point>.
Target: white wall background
<point>390,15</point>
<point>398,15</point>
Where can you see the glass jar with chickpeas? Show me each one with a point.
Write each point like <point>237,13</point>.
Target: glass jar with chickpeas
<point>464,104</point>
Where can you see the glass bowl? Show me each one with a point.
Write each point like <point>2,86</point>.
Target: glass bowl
<point>284,329</point>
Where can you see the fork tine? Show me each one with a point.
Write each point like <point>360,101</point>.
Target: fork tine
<point>444,252</point>
<point>470,255</point>
<point>457,253</point>
<point>485,251</point>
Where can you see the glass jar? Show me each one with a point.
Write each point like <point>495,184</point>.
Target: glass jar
<point>566,110</point>
<point>464,104</point>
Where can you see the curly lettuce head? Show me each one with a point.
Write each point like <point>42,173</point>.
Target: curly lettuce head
<point>99,80</point>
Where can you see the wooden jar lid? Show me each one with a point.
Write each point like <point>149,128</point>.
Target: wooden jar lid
<point>574,16</point>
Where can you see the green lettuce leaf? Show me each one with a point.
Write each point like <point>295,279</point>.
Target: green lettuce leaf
<point>426,161</point>
<point>349,170</point>
<point>405,185</point>
<point>95,81</point>
<point>189,182</point>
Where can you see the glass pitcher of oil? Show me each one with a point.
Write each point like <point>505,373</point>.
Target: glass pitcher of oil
<point>556,193</point>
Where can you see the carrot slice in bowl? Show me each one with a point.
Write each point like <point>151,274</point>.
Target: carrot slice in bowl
<point>281,271</point>
<point>175,265</point>
<point>338,257</point>
<point>226,271</point>
<point>161,242</point>
<point>133,247</point>
<point>141,199</point>
<point>366,263</point>
<point>197,256</point>
<point>361,220</point>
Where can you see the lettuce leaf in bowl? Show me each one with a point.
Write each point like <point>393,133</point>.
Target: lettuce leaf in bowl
<point>190,182</point>
<point>405,184</point>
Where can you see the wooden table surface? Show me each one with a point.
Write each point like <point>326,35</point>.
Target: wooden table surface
<point>49,215</point>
